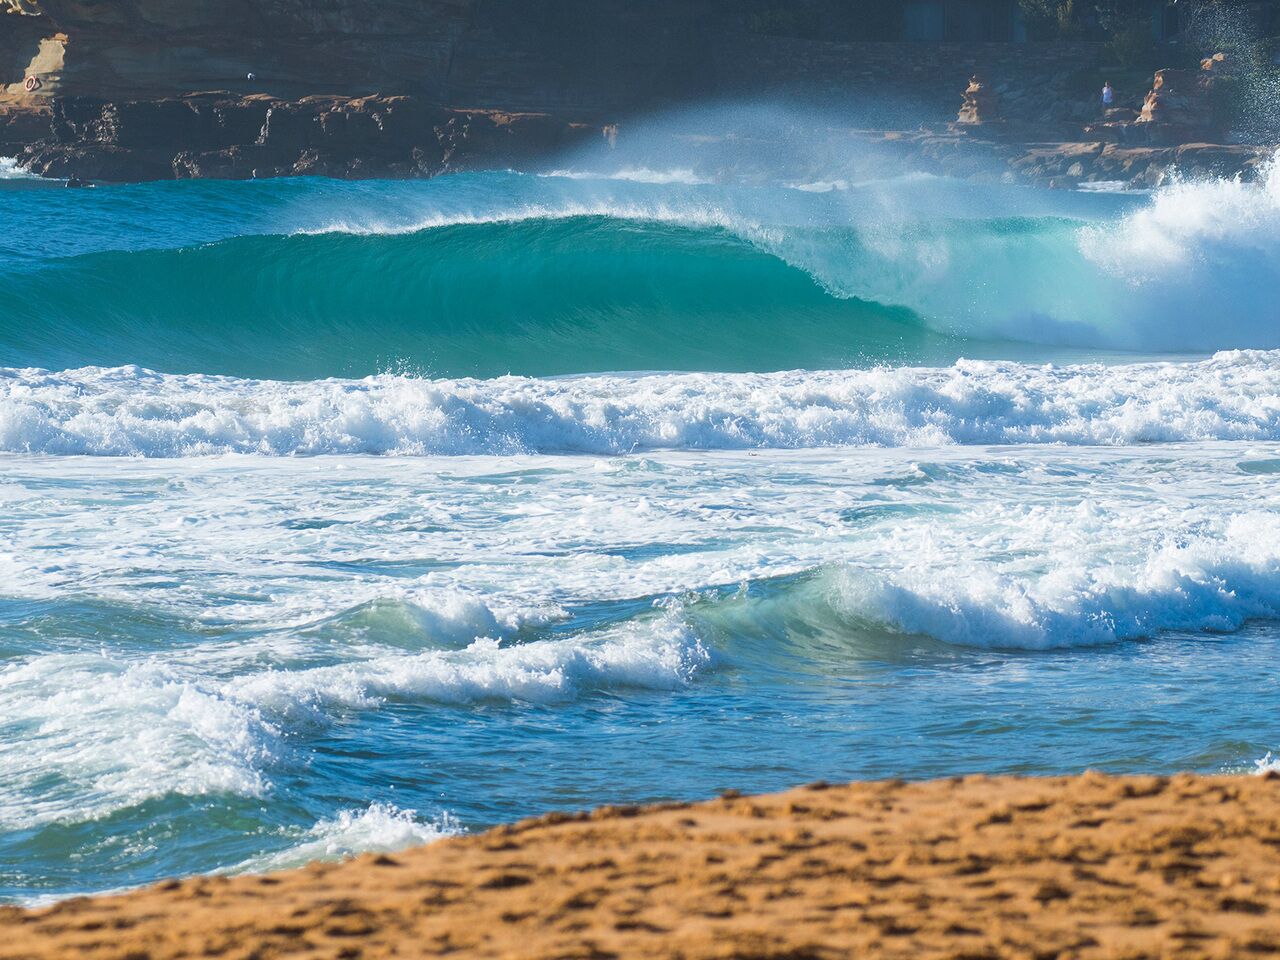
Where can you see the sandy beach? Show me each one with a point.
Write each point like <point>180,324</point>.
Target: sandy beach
<point>1090,866</point>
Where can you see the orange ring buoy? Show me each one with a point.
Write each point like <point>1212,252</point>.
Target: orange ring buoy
<point>32,84</point>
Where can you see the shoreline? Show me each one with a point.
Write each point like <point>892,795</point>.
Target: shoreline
<point>1085,866</point>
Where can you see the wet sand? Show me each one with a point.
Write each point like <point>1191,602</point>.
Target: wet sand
<point>1089,866</point>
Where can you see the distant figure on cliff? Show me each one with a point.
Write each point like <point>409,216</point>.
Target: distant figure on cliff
<point>1108,94</point>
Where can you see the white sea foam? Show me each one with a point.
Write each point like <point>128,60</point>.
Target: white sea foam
<point>1191,225</point>
<point>663,656</point>
<point>114,736</point>
<point>1032,548</point>
<point>379,828</point>
<point>83,735</point>
<point>132,412</point>
<point>1212,581</point>
<point>9,170</point>
<point>1194,267</point>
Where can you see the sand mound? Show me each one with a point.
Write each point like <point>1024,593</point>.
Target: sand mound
<point>982,867</point>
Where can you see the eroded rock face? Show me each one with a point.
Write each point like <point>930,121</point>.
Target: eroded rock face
<point>228,137</point>
<point>22,32</point>
<point>1181,105</point>
<point>157,48</point>
<point>21,124</point>
<point>580,56</point>
<point>979,104</point>
<point>417,87</point>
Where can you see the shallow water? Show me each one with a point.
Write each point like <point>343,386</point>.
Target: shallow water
<point>280,580</point>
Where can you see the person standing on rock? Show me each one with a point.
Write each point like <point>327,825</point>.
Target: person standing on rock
<point>1108,94</point>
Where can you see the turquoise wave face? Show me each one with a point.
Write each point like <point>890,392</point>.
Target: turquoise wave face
<point>500,273</point>
<point>534,297</point>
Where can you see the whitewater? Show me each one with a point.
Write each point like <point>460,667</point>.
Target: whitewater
<point>132,412</point>
<point>346,516</point>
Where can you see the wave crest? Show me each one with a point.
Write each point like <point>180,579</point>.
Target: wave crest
<point>694,278</point>
<point>379,828</point>
<point>1211,583</point>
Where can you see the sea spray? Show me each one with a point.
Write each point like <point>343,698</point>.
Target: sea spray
<point>9,170</point>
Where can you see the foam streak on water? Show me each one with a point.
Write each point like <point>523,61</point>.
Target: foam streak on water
<point>379,828</point>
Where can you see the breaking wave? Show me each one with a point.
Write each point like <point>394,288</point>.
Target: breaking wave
<point>103,737</point>
<point>133,412</point>
<point>563,286</point>
<point>9,170</point>
<point>1213,582</point>
<point>380,828</point>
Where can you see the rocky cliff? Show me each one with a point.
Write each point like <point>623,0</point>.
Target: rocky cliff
<point>224,136</point>
<point>140,89</point>
<point>545,55</point>
<point>588,59</point>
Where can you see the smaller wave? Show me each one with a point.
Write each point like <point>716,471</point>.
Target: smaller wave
<point>379,828</point>
<point>1048,581</point>
<point>662,655</point>
<point>1268,764</point>
<point>108,737</point>
<point>1213,582</point>
<point>88,736</point>
<point>440,618</point>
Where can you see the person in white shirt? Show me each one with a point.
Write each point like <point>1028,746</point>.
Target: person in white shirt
<point>1108,94</point>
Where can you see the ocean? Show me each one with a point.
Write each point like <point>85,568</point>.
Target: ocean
<point>346,516</point>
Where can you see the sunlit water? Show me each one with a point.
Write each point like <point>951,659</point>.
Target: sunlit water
<point>327,523</point>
